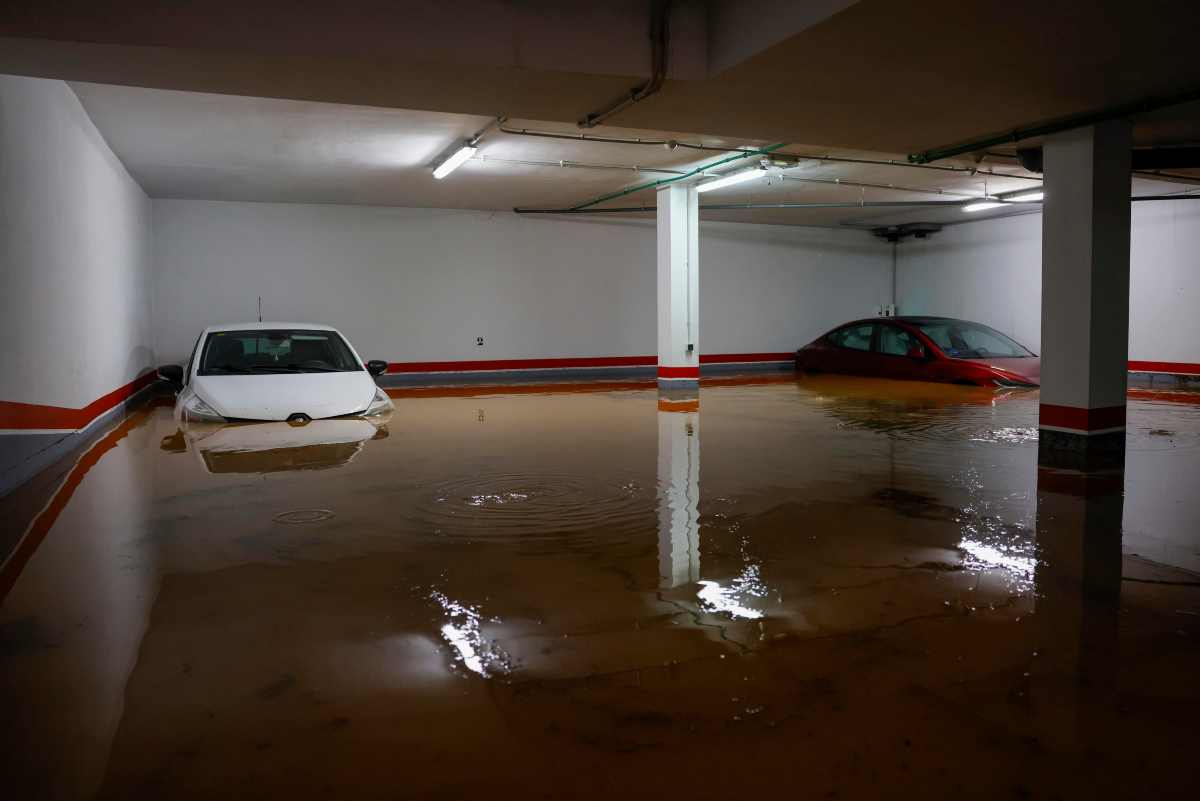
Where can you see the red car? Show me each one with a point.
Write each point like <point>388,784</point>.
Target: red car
<point>923,349</point>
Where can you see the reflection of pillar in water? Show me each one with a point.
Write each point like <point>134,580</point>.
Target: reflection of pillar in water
<point>678,490</point>
<point>1078,580</point>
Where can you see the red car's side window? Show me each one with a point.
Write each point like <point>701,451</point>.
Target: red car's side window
<point>854,337</point>
<point>895,341</point>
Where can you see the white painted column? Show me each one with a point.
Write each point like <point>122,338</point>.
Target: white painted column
<point>678,492</point>
<point>1085,295</point>
<point>678,287</point>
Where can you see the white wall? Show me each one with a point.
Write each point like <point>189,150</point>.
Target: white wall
<point>773,288</point>
<point>422,284</point>
<point>991,271</point>
<point>74,254</point>
<point>988,271</point>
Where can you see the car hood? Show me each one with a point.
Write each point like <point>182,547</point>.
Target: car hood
<point>277,396</point>
<point>1029,368</point>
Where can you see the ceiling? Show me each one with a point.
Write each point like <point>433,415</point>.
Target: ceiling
<point>894,76</point>
<point>224,147</point>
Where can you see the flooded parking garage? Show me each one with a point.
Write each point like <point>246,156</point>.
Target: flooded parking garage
<point>822,587</point>
<point>404,404</point>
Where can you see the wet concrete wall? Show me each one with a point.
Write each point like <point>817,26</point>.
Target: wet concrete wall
<point>991,271</point>
<point>420,285</point>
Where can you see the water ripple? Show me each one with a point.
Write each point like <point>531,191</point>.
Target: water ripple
<point>532,506</point>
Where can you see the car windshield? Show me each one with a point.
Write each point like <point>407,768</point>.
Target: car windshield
<point>960,339</point>
<point>295,351</point>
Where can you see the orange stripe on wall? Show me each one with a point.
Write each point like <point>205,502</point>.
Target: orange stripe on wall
<point>35,416</point>
<point>479,365</point>
<point>1181,368</point>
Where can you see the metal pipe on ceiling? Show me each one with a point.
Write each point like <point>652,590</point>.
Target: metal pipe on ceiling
<point>660,41</point>
<point>731,206</point>
<point>766,151</point>
<point>891,187</point>
<point>868,204</point>
<point>672,144</point>
<point>577,164</point>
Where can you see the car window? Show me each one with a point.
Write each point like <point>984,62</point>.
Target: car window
<point>262,351</point>
<point>895,341</point>
<point>960,339</point>
<point>854,337</point>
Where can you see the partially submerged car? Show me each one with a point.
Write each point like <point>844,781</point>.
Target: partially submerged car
<point>938,349</point>
<point>275,372</point>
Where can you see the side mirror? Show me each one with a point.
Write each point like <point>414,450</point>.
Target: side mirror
<point>171,373</point>
<point>916,352</point>
<point>377,367</point>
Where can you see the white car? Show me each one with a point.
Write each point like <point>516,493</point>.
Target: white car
<point>275,371</point>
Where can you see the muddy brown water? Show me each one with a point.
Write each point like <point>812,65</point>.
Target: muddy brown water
<point>804,588</point>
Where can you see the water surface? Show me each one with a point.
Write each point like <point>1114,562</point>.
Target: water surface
<point>820,587</point>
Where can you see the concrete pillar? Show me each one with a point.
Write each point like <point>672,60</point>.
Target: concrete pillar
<point>678,491</point>
<point>678,287</point>
<point>1085,296</point>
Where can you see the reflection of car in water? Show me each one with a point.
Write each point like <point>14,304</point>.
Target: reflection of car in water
<point>275,447</point>
<point>881,405</point>
<point>275,371</point>
<point>937,349</point>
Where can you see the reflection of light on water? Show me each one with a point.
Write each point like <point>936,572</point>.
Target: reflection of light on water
<point>464,635</point>
<point>498,498</point>
<point>989,544</point>
<point>715,598</point>
<point>464,639</point>
<point>1009,436</point>
<point>993,556</point>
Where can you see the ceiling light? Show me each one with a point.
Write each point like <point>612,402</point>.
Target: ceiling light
<point>1033,196</point>
<point>451,164</point>
<point>983,205</point>
<point>731,179</point>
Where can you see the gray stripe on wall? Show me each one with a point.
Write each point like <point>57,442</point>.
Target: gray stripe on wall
<point>23,456</point>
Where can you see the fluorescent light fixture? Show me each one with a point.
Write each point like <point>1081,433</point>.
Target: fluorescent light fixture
<point>451,164</point>
<point>1034,196</point>
<point>732,178</point>
<point>982,205</point>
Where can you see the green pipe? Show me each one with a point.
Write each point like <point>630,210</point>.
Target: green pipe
<point>1065,124</point>
<point>868,204</point>
<point>663,181</point>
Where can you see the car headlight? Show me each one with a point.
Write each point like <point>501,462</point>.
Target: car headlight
<point>194,408</point>
<point>379,404</point>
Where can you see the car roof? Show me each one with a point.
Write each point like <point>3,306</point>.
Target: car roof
<point>912,319</point>
<point>927,318</point>
<point>269,327</point>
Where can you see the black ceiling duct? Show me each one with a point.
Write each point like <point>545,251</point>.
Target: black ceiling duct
<point>1030,158</point>
<point>1167,158</point>
<point>1143,159</point>
<point>898,233</point>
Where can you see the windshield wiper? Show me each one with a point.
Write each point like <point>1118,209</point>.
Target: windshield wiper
<point>313,368</point>
<point>275,368</point>
<point>229,368</point>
